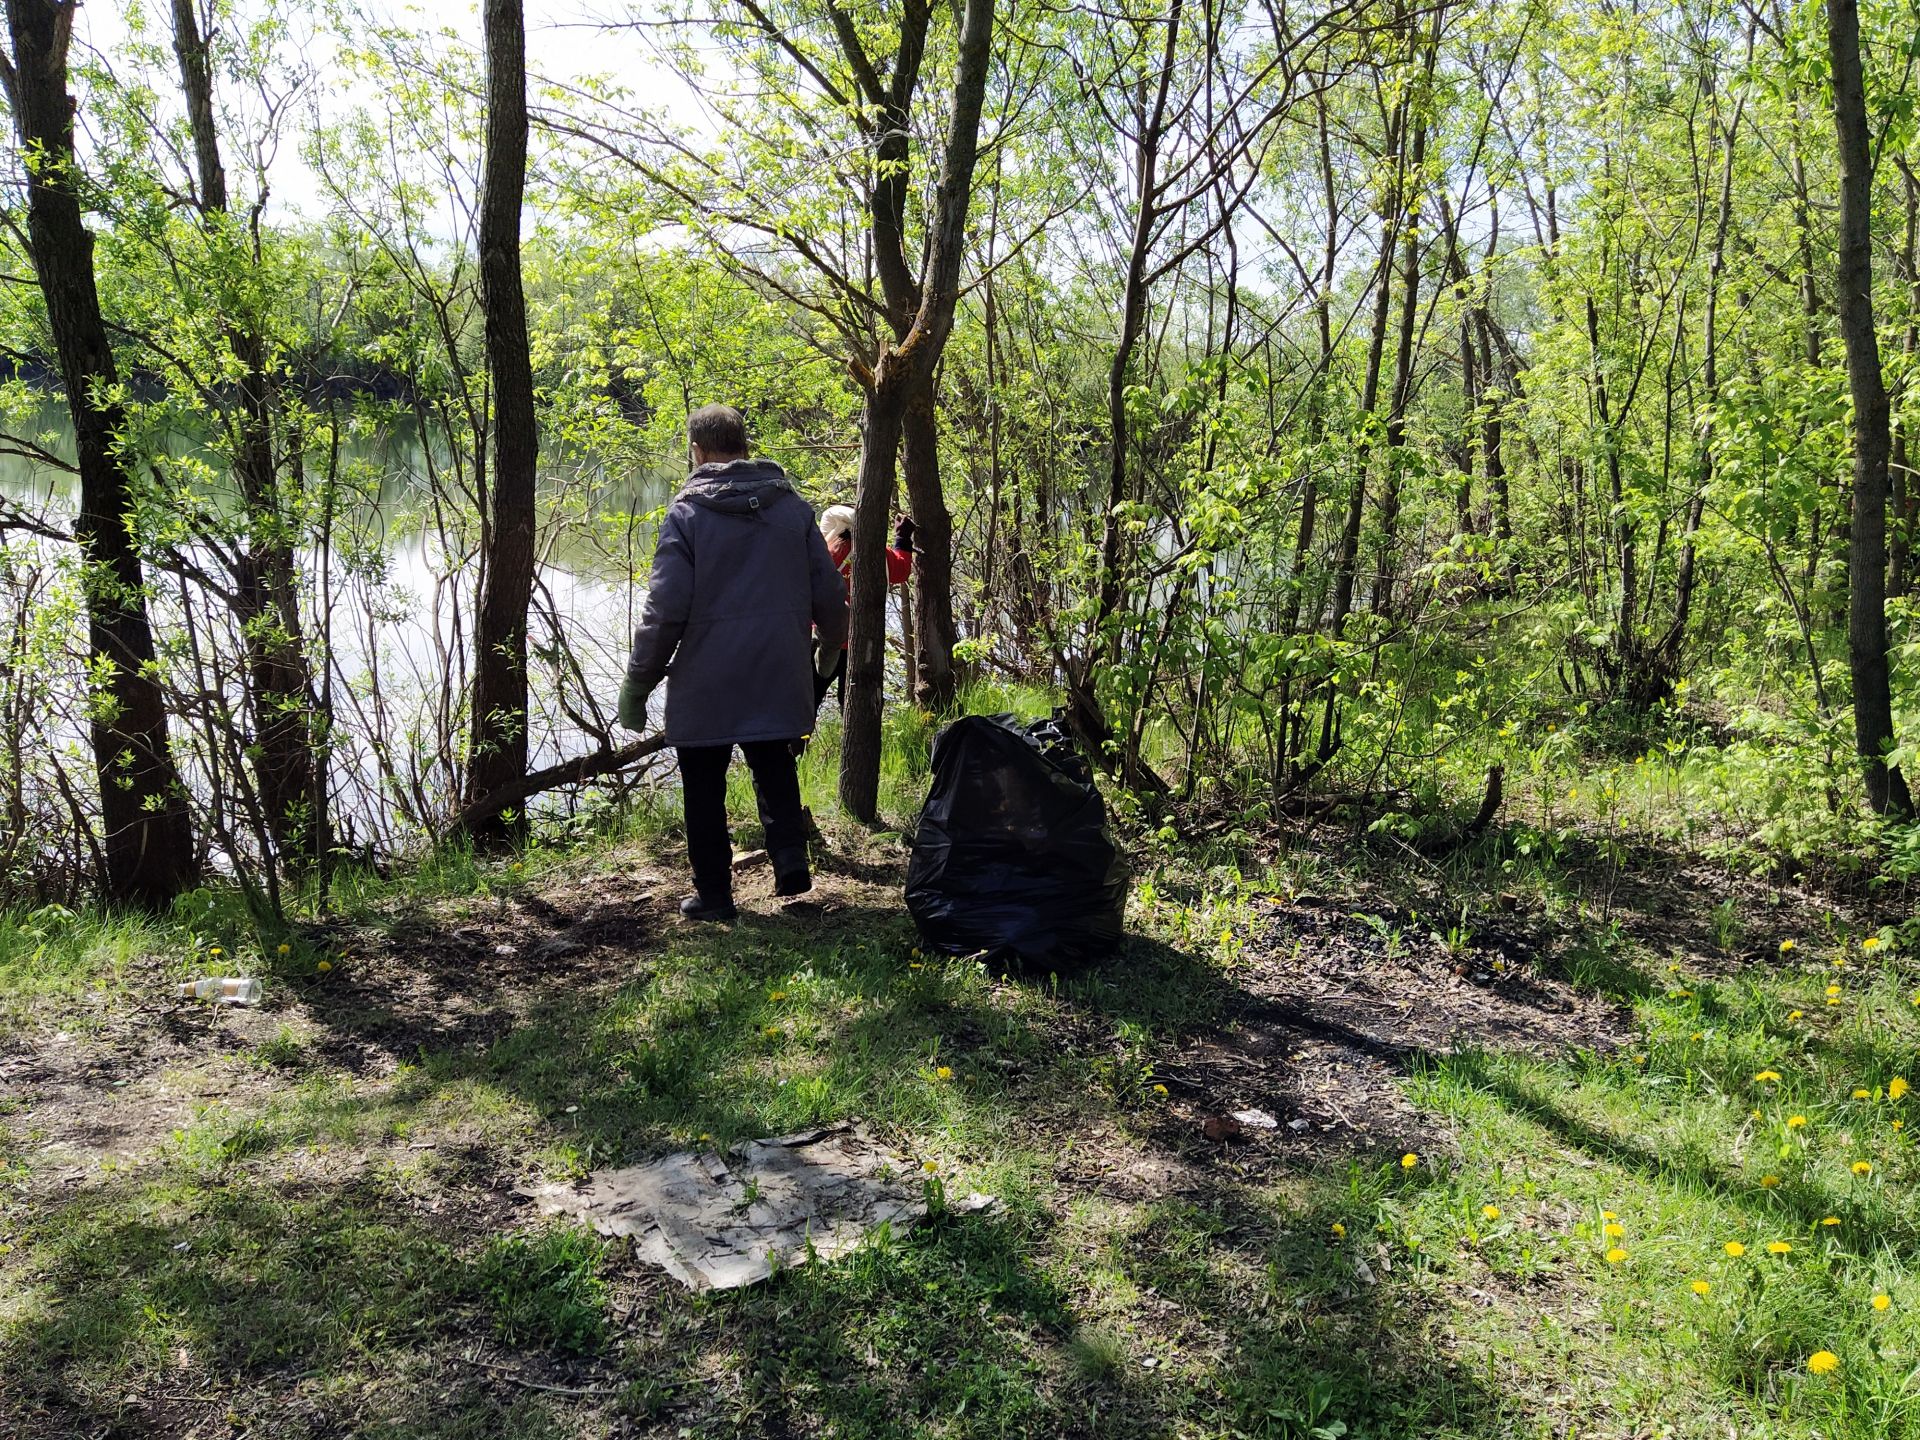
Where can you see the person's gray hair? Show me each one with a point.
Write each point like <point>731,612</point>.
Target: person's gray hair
<point>718,430</point>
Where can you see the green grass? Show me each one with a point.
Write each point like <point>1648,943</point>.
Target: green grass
<point>50,955</point>
<point>321,1247</point>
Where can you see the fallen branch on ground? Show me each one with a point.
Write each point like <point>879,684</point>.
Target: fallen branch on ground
<point>607,760</point>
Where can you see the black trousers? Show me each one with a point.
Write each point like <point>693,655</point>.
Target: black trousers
<point>703,791</point>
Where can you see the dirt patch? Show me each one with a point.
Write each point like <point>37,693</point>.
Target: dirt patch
<point>1329,1009</point>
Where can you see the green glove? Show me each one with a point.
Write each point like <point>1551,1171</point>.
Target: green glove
<point>633,705</point>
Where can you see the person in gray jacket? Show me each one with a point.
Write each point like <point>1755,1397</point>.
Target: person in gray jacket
<point>741,579</point>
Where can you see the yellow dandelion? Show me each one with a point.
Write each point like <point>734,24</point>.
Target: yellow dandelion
<point>1831,1220</point>
<point>1613,1230</point>
<point>1339,1231</point>
<point>1896,1087</point>
<point>286,949</point>
<point>945,1072</point>
<point>1795,1015</point>
<point>1859,1094</point>
<point>1769,1182</point>
<point>1899,1124</point>
<point>1490,1212</point>
<point>1699,1035</point>
<point>1768,1077</point>
<point>1616,1255</point>
<point>776,996</point>
<point>1701,1287</point>
<point>1883,1302</point>
<point>1870,944</point>
<point>1823,1362</point>
<point>1409,1160</point>
<point>1833,989</point>
<point>1735,1249</point>
<point>324,966</point>
<point>930,1166</point>
<point>1795,1122</point>
<point>216,952</point>
<point>1833,1000</point>
<point>1779,1247</point>
<point>1608,1215</point>
<point>1787,947</point>
<point>1862,1167</point>
<point>1159,1089</point>
<point>772,1031</point>
<point>1639,1059</point>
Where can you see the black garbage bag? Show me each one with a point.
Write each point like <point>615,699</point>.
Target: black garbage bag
<point>1013,855</point>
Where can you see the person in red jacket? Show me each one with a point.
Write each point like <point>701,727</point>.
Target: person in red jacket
<point>836,527</point>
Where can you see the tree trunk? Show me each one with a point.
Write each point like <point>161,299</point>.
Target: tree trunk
<point>1906,495</point>
<point>1402,399</point>
<point>498,750</point>
<point>1347,559</point>
<point>1867,541</point>
<point>148,841</point>
<point>1492,435</point>
<point>1133,313</point>
<point>902,371</point>
<point>288,731</point>
<point>933,559</point>
<point>866,646</point>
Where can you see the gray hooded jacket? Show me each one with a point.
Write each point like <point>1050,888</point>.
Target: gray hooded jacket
<point>740,579</point>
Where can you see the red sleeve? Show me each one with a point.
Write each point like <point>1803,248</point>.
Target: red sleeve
<point>899,565</point>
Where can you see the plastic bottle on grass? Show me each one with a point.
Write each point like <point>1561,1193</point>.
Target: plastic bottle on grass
<point>222,991</point>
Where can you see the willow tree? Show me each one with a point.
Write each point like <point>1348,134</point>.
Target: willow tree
<point>498,748</point>
<point>287,719</point>
<point>900,377</point>
<point>147,840</point>
<point>1872,436</point>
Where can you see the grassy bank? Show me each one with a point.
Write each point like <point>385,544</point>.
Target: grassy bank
<point>1581,1131</point>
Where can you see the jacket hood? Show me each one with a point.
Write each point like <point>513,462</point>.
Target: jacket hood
<point>737,487</point>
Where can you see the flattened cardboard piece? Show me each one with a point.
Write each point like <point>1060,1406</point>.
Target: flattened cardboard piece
<point>717,1223</point>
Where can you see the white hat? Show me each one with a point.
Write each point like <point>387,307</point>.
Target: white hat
<point>837,521</point>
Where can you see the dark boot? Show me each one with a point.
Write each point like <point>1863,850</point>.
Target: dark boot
<point>790,873</point>
<point>698,907</point>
